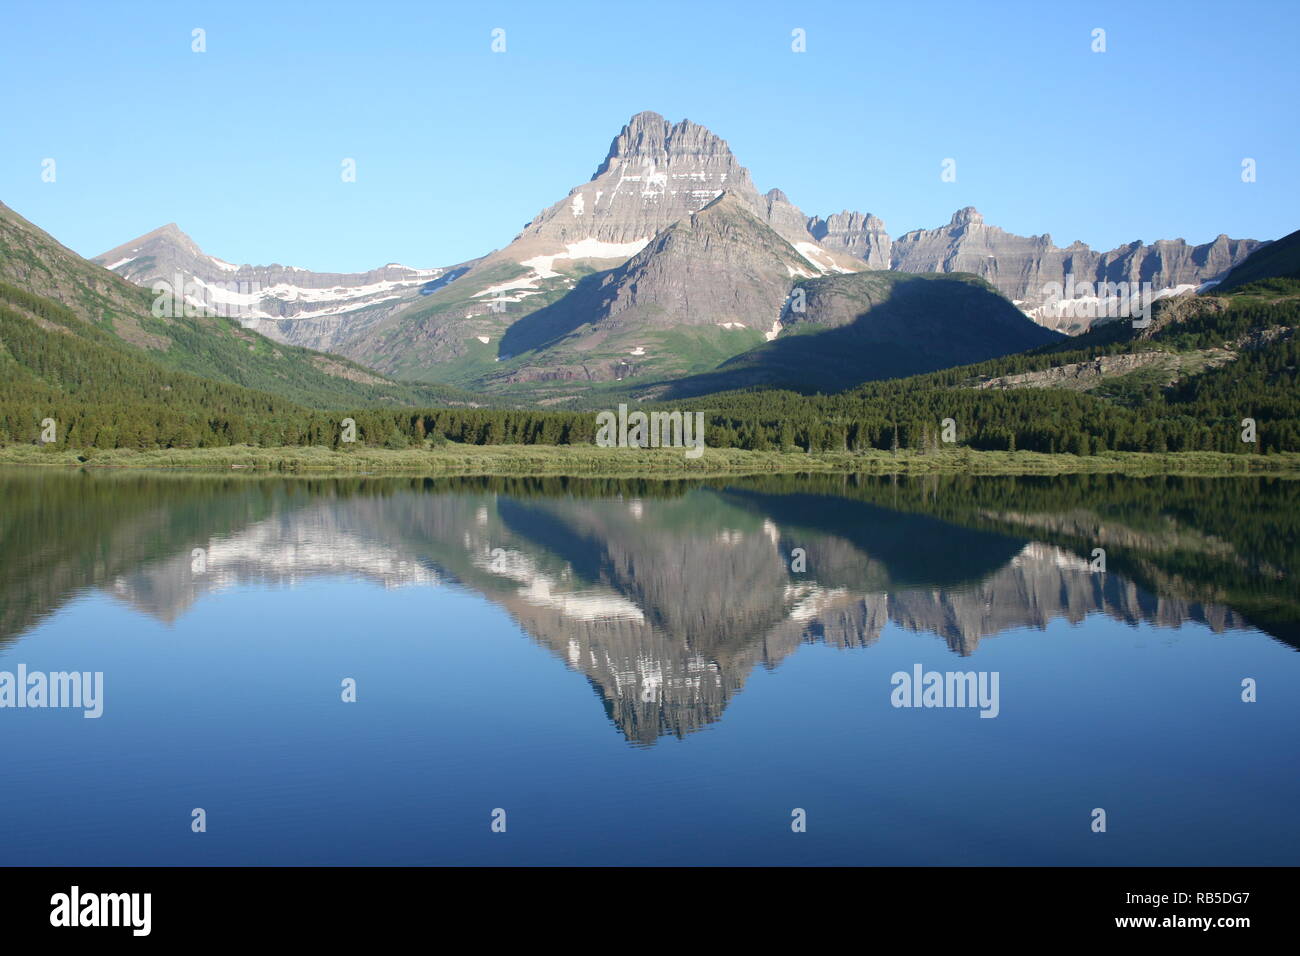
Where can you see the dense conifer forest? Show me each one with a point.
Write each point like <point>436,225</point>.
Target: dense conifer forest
<point>100,394</point>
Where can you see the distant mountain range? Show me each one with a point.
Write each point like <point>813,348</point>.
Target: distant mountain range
<point>667,274</point>
<point>276,293</point>
<point>667,263</point>
<point>1023,267</point>
<point>880,356</point>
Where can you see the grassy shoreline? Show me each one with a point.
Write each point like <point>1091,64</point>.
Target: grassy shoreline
<point>590,461</point>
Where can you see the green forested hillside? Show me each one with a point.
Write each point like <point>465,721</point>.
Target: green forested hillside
<point>1202,412</point>
<point>54,365</point>
<point>1231,357</point>
<point>33,263</point>
<point>105,397</point>
<point>103,394</point>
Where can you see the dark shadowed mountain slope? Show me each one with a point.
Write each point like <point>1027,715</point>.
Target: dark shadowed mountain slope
<point>874,325</point>
<point>1277,260</point>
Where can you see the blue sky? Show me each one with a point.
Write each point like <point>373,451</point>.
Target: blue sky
<point>457,147</point>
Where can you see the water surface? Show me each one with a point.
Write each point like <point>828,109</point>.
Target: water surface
<point>650,673</point>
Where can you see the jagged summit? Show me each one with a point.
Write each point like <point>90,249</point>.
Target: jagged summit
<point>861,235</point>
<point>656,173</point>
<point>648,138</point>
<point>1026,268</point>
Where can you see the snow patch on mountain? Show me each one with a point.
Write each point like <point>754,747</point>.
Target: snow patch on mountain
<point>819,257</point>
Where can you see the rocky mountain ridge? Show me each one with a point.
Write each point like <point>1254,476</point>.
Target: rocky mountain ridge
<point>1024,268</point>
<point>262,297</point>
<point>720,273</point>
<point>470,324</point>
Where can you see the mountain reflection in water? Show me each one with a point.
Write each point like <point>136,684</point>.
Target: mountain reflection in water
<point>666,596</point>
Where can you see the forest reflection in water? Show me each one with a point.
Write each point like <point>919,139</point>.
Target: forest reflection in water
<point>666,595</point>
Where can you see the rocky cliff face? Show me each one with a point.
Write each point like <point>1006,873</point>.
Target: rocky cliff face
<point>719,266</point>
<point>861,235</point>
<point>656,173</point>
<point>1023,267</point>
<point>1013,264</point>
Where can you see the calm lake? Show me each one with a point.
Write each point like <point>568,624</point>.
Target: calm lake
<point>638,672</point>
